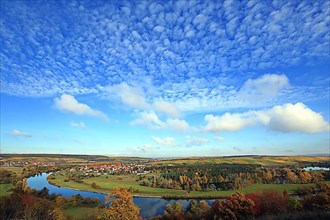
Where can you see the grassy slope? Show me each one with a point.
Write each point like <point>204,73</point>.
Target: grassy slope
<point>107,184</point>
<point>4,189</point>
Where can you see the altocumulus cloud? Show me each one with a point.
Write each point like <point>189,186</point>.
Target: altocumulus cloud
<point>20,133</point>
<point>131,42</point>
<point>282,118</point>
<point>134,97</point>
<point>264,88</point>
<point>129,95</point>
<point>68,103</point>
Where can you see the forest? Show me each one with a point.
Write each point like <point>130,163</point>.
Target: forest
<point>211,177</point>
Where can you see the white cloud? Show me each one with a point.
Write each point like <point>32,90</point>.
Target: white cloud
<point>166,107</point>
<point>192,141</point>
<point>146,147</point>
<point>285,118</point>
<point>20,133</point>
<point>68,103</point>
<point>168,141</point>
<point>78,125</point>
<point>151,120</point>
<point>148,119</point>
<point>129,95</point>
<point>227,122</point>
<point>219,138</point>
<point>296,118</point>
<point>264,88</point>
<point>177,125</point>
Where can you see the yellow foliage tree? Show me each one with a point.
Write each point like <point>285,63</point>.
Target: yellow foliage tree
<point>122,206</point>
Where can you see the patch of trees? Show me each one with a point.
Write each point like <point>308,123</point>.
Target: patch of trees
<point>6,176</point>
<point>39,204</point>
<point>267,204</point>
<point>211,177</point>
<point>25,205</point>
<point>79,201</point>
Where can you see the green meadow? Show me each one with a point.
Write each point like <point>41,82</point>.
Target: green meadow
<point>129,181</point>
<point>4,189</point>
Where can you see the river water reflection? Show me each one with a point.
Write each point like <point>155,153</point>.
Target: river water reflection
<point>149,207</point>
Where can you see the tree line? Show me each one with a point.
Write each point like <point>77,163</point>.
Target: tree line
<point>211,177</point>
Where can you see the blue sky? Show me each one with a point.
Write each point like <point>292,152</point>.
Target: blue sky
<point>165,78</point>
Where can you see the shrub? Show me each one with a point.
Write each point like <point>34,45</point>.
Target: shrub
<point>95,186</point>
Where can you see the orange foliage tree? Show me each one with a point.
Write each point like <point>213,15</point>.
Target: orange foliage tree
<point>121,206</point>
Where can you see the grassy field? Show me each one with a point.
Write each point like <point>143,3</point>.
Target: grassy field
<point>17,170</point>
<point>127,181</point>
<point>113,181</point>
<point>263,160</point>
<point>4,189</point>
<point>82,212</point>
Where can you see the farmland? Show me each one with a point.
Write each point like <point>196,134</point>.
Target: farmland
<point>262,160</point>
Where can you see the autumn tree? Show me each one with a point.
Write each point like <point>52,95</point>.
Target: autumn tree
<point>59,208</point>
<point>304,176</point>
<point>194,211</point>
<point>236,206</point>
<point>121,206</point>
<point>174,212</point>
<point>269,203</point>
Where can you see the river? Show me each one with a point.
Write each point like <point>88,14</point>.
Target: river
<point>149,207</point>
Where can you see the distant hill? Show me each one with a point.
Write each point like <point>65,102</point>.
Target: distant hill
<point>66,157</point>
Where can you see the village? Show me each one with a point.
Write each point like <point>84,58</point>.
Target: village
<point>26,163</point>
<point>98,169</point>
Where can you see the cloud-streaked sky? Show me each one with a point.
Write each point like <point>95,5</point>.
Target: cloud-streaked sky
<point>165,78</point>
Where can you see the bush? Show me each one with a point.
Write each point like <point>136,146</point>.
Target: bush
<point>78,180</point>
<point>95,186</point>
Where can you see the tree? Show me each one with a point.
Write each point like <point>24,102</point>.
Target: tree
<point>40,209</point>
<point>236,206</point>
<point>320,201</point>
<point>174,212</point>
<point>269,203</point>
<point>59,208</point>
<point>121,206</point>
<point>294,204</point>
<point>194,210</point>
<point>204,206</point>
<point>305,177</point>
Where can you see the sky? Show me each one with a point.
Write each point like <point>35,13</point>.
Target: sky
<point>165,78</point>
